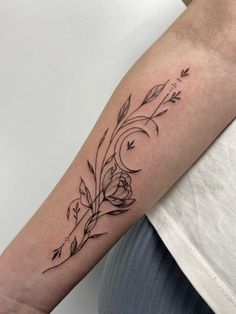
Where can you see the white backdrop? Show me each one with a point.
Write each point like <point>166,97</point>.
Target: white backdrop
<point>59,63</point>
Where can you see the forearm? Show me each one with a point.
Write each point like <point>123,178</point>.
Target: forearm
<point>124,140</point>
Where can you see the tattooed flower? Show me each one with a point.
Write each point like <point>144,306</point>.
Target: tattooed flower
<point>117,188</point>
<point>113,178</point>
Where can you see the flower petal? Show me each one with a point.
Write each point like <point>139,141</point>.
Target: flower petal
<point>127,202</point>
<point>112,187</point>
<point>83,200</point>
<point>121,193</point>
<point>115,201</point>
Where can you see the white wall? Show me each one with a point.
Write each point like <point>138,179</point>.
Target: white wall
<point>59,63</point>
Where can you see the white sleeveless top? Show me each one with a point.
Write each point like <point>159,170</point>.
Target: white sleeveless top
<point>196,219</point>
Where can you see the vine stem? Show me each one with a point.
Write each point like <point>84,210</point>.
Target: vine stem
<point>163,100</point>
<point>98,195</point>
<point>69,236</point>
<point>82,242</point>
<point>113,135</point>
<point>141,105</point>
<point>102,165</point>
<point>95,178</point>
<point>140,118</point>
<point>78,223</point>
<point>55,266</point>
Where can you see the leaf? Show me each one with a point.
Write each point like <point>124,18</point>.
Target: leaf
<point>126,203</point>
<point>68,213</point>
<point>86,198</point>
<point>90,224</point>
<point>73,246</point>
<point>55,255</point>
<point>109,159</point>
<point>174,97</point>
<point>184,72</point>
<point>130,145</point>
<point>107,178</point>
<point>82,187</point>
<point>153,93</point>
<point>124,110</point>
<point>117,212</point>
<point>94,236</point>
<point>90,167</point>
<point>103,138</point>
<point>177,95</point>
<point>76,209</point>
<point>179,92</point>
<point>160,113</point>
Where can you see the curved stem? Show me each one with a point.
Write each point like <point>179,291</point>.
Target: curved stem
<point>98,195</point>
<point>78,223</point>
<point>127,118</point>
<point>79,247</point>
<point>139,118</point>
<point>118,146</point>
<point>55,266</point>
<point>75,227</point>
<point>82,242</point>
<point>76,199</point>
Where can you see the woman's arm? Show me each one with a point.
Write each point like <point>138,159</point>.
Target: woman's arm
<point>165,112</point>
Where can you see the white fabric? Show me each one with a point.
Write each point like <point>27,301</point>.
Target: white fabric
<point>197,221</point>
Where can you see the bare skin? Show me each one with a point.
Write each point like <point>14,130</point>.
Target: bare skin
<point>197,53</point>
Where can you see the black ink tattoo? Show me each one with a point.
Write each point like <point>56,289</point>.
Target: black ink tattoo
<point>112,177</point>
<point>130,145</point>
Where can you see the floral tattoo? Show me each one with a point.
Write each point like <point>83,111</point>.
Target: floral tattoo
<point>111,176</point>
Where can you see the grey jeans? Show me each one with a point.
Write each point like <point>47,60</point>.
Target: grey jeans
<point>141,277</point>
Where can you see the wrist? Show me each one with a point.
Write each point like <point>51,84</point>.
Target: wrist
<point>10,305</point>
<point>20,291</point>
